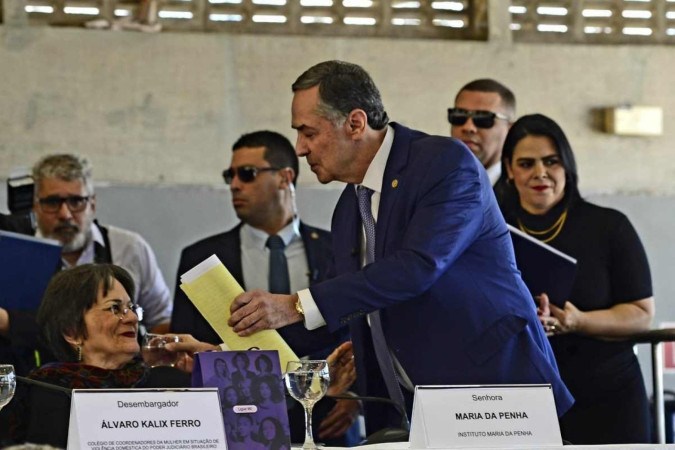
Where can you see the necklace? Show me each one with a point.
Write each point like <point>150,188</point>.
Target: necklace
<point>555,229</point>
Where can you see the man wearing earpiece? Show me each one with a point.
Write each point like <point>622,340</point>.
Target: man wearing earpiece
<point>261,176</point>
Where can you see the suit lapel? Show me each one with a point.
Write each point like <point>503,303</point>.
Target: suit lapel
<point>392,183</point>
<point>229,252</point>
<point>346,232</point>
<point>307,238</point>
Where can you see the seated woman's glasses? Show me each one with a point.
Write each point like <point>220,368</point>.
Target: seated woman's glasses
<point>120,311</point>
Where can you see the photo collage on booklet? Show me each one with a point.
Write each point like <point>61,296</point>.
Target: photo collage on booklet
<point>252,397</point>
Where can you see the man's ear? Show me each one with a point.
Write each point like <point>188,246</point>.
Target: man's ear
<point>92,202</point>
<point>356,123</point>
<point>287,175</point>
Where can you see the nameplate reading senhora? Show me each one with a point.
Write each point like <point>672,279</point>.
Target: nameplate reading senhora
<point>517,416</point>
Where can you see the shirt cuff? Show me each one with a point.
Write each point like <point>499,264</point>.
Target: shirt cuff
<point>313,317</point>
<point>224,347</point>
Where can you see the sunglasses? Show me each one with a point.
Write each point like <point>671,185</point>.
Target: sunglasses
<point>52,204</point>
<point>482,119</point>
<point>246,174</point>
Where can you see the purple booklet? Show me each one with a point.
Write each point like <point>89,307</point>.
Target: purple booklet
<point>252,397</point>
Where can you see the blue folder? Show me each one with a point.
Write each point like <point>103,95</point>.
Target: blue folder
<point>27,264</point>
<point>543,268</point>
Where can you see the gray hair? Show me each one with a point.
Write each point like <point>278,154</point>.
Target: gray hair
<point>66,167</point>
<point>344,87</point>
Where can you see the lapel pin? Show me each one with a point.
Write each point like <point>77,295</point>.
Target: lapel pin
<point>314,235</point>
<point>394,183</point>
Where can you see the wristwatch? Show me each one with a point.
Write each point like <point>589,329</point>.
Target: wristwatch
<point>298,307</point>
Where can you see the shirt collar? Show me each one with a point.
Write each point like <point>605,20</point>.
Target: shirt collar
<point>375,173</point>
<point>258,237</point>
<point>494,172</point>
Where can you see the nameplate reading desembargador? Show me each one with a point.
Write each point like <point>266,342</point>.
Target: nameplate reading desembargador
<point>145,419</point>
<point>501,416</point>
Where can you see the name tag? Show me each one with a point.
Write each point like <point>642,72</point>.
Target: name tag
<point>505,416</point>
<point>145,419</point>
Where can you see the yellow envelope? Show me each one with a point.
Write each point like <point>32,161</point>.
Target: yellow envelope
<point>212,288</point>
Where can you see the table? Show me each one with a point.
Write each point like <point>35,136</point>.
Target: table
<point>656,338</point>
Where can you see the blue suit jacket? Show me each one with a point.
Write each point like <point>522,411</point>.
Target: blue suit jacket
<point>227,246</point>
<point>454,308</point>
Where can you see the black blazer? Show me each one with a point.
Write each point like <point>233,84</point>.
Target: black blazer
<point>187,319</point>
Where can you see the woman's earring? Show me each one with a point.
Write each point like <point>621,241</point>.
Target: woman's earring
<point>79,353</point>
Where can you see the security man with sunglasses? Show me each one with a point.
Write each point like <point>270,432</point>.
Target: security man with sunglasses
<point>64,208</point>
<point>262,176</point>
<point>483,113</point>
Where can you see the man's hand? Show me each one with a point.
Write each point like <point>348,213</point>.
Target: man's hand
<point>259,310</point>
<point>342,369</point>
<point>339,419</point>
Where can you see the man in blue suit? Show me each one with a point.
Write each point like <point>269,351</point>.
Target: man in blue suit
<point>262,174</point>
<point>443,284</point>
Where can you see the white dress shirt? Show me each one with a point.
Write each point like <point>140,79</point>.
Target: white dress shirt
<point>255,257</point>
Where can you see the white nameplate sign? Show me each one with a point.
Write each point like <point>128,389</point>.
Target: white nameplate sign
<point>145,419</point>
<point>505,416</point>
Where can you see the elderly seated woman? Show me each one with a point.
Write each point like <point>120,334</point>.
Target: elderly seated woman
<point>90,323</point>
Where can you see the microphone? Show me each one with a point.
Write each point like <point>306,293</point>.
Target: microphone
<point>42,384</point>
<point>405,423</point>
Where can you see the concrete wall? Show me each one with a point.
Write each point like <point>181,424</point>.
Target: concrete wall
<point>166,107</point>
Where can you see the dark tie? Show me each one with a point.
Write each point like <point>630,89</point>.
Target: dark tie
<point>379,342</point>
<point>279,282</point>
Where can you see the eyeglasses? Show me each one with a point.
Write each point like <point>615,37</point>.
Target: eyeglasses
<point>120,311</point>
<point>52,204</point>
<point>482,119</point>
<point>246,174</point>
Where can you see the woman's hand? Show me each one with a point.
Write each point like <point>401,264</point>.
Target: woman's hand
<point>342,369</point>
<point>543,309</point>
<point>562,320</point>
<point>339,419</point>
<point>612,323</point>
<point>185,350</point>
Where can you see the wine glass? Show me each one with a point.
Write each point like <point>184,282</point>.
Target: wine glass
<point>307,381</point>
<point>7,384</point>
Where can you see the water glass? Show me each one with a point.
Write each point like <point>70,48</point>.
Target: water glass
<point>153,352</point>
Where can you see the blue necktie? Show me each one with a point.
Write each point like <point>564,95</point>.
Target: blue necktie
<point>379,341</point>
<point>279,282</point>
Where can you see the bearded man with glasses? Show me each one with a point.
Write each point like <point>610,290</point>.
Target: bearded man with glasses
<point>483,113</point>
<point>262,176</point>
<point>64,208</point>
